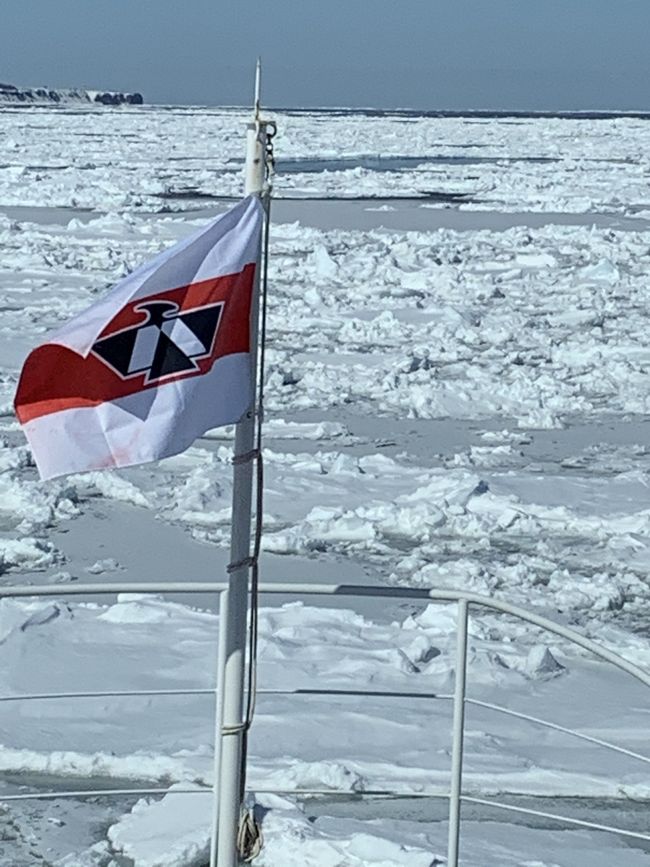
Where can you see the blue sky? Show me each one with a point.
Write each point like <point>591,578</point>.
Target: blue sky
<point>525,54</point>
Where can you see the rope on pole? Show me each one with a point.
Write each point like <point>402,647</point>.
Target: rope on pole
<point>259,482</point>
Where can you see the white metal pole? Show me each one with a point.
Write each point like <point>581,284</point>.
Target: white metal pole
<point>218,724</point>
<point>458,733</point>
<point>235,626</point>
<point>254,178</point>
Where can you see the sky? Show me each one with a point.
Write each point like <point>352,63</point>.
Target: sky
<point>423,54</point>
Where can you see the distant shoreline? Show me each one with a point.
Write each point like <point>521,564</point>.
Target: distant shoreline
<point>470,113</point>
<point>10,94</point>
<point>15,97</point>
<point>479,114</point>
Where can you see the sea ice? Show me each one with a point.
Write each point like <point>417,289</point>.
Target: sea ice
<point>447,407</point>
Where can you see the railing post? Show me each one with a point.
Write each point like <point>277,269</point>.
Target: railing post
<point>218,725</point>
<point>458,733</point>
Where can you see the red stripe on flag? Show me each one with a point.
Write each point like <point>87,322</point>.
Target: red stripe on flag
<point>55,377</point>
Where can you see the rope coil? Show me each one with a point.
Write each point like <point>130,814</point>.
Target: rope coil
<point>249,838</point>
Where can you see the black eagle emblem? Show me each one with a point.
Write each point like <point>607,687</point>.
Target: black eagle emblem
<point>166,343</point>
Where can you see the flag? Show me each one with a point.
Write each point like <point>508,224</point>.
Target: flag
<point>159,360</point>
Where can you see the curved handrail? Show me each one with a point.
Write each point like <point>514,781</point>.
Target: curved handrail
<point>302,792</point>
<point>464,601</point>
<point>143,693</point>
<point>93,793</point>
<point>358,590</point>
<point>566,820</point>
<point>104,693</point>
<point>471,599</point>
<point>355,693</point>
<point>506,711</point>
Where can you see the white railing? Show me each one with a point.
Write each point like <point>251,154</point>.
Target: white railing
<point>459,698</point>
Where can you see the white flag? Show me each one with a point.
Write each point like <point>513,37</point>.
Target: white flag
<point>162,358</point>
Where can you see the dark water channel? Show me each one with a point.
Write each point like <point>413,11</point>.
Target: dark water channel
<point>393,163</point>
<point>424,213</point>
<point>49,824</point>
<point>629,815</point>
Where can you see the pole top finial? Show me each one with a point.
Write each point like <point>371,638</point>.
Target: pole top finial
<point>258,87</point>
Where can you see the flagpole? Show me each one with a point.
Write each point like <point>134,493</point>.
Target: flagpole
<point>229,787</point>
